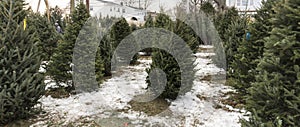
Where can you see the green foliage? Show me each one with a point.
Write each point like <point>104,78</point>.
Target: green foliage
<point>249,52</point>
<point>59,67</point>
<point>208,8</point>
<point>169,65</point>
<point>235,54</point>
<point>106,48</point>
<point>119,31</point>
<point>21,85</point>
<point>56,16</point>
<point>275,95</point>
<point>46,33</point>
<point>148,24</point>
<point>221,22</point>
<point>187,34</point>
<point>87,66</point>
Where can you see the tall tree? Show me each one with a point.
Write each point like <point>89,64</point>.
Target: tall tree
<point>250,50</point>
<point>21,85</point>
<point>274,98</point>
<point>59,67</point>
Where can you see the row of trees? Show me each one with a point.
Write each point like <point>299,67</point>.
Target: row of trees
<point>265,68</point>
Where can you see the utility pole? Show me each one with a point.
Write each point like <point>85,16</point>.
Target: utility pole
<point>48,9</point>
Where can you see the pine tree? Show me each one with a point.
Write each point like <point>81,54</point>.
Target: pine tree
<point>119,31</point>
<point>237,64</point>
<point>88,66</point>
<point>187,34</point>
<point>250,51</point>
<point>221,23</point>
<point>169,65</point>
<point>47,34</point>
<point>274,98</point>
<point>208,8</point>
<point>21,85</point>
<point>56,16</point>
<point>148,24</point>
<point>59,67</point>
<point>106,48</point>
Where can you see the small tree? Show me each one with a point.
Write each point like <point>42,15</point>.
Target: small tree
<point>167,63</point>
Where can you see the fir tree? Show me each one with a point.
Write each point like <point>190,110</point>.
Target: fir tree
<point>222,22</point>
<point>56,17</point>
<point>148,24</point>
<point>208,8</point>
<point>21,85</point>
<point>169,65</point>
<point>59,67</point>
<point>88,67</point>
<point>47,34</point>
<point>187,34</point>
<point>274,97</point>
<point>119,31</point>
<point>250,51</point>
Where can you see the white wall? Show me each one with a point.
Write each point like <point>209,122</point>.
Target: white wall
<point>252,5</point>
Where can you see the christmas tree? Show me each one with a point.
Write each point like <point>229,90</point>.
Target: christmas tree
<point>274,97</point>
<point>173,68</point>
<point>47,34</point>
<point>59,67</point>
<point>21,85</point>
<point>250,50</point>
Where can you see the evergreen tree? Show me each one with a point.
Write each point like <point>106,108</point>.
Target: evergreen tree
<point>274,98</point>
<point>88,66</point>
<point>47,34</point>
<point>119,31</point>
<point>21,85</point>
<point>187,34</point>
<point>56,17</point>
<point>221,23</point>
<point>148,24</point>
<point>208,8</point>
<point>167,63</point>
<point>235,35</point>
<point>59,67</point>
<point>106,48</point>
<point>250,51</point>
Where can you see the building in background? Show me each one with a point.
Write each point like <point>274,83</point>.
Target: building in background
<point>111,9</point>
<point>245,6</point>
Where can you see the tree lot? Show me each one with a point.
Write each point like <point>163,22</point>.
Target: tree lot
<point>264,69</point>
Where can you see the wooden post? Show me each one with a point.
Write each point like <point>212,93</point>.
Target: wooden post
<point>72,6</point>
<point>88,5</point>
<point>38,7</point>
<point>47,9</point>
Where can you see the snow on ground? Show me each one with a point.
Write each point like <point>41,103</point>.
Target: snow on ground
<point>195,108</point>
